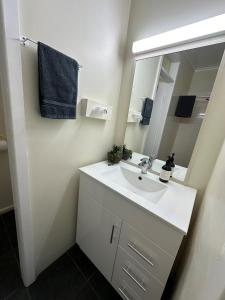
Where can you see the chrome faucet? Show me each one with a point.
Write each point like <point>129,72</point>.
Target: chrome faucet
<point>146,164</point>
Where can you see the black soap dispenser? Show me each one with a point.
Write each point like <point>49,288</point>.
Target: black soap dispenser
<point>165,172</point>
<point>172,164</point>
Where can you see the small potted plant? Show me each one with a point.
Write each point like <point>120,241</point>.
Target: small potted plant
<point>115,155</point>
<point>126,153</point>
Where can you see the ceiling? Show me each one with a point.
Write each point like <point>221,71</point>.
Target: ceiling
<point>205,57</point>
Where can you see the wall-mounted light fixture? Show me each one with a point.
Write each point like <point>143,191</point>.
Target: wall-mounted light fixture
<point>209,28</point>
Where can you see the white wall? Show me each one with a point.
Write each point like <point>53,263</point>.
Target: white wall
<point>203,81</point>
<point>6,200</point>
<point>94,33</point>
<point>204,272</point>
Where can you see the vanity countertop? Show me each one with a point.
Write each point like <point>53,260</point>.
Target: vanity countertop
<point>171,202</point>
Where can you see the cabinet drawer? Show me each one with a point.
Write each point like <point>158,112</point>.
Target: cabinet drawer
<point>126,292</point>
<point>147,253</point>
<point>128,270</point>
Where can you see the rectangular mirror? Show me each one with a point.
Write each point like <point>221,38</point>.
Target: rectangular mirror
<point>168,103</point>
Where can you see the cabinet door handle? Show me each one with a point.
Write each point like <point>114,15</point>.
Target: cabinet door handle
<point>132,246</point>
<point>123,293</point>
<point>134,279</point>
<point>112,233</point>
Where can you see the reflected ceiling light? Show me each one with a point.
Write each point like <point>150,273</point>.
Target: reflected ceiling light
<point>211,27</point>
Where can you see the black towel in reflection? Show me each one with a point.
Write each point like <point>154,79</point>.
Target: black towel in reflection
<point>58,75</point>
<point>146,111</point>
<point>185,106</point>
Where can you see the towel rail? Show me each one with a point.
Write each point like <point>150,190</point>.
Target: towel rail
<point>24,40</point>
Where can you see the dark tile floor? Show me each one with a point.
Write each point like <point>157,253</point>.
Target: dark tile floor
<point>72,276</point>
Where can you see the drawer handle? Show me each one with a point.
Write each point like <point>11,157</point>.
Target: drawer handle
<point>123,293</point>
<point>132,246</point>
<point>112,233</point>
<point>134,279</point>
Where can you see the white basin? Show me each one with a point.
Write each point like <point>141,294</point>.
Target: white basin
<point>172,202</point>
<point>135,182</point>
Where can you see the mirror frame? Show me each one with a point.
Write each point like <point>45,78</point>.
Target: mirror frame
<point>217,37</point>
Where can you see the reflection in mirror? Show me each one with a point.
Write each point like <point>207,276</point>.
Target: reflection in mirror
<point>168,103</point>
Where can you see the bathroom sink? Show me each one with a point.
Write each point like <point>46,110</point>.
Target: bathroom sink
<point>135,182</point>
<point>171,202</point>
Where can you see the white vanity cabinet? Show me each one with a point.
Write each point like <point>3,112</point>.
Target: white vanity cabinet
<point>131,247</point>
<point>97,232</point>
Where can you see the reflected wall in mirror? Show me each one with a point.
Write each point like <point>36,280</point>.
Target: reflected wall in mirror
<point>168,103</point>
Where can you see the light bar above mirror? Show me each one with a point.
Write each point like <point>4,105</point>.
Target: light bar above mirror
<point>209,28</point>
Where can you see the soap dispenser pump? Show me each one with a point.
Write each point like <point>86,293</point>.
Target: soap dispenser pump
<point>165,172</point>
<point>172,164</point>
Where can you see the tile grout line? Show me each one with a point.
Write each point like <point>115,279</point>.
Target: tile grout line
<point>88,280</point>
<point>28,293</point>
<point>75,264</point>
<point>10,294</point>
<point>95,292</point>
<point>88,285</point>
<point>92,288</point>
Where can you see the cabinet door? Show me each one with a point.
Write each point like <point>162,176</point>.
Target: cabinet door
<point>98,234</point>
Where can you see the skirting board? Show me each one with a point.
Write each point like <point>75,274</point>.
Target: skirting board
<point>6,209</point>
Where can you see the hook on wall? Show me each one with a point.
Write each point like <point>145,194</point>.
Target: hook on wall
<point>25,41</point>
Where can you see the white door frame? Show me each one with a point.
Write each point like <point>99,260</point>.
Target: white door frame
<point>13,104</point>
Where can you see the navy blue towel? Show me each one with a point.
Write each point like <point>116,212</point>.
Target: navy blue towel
<point>185,106</point>
<point>146,111</point>
<point>58,76</point>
